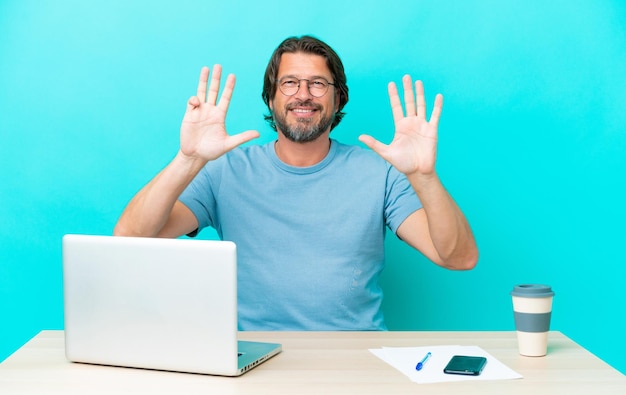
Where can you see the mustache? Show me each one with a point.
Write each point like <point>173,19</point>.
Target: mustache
<point>306,103</point>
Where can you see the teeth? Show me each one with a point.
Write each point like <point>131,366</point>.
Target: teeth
<point>301,110</point>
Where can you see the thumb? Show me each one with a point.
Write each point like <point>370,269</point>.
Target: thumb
<point>193,102</point>
<point>243,137</point>
<point>374,145</point>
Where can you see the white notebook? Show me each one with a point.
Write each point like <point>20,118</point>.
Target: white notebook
<point>167,304</point>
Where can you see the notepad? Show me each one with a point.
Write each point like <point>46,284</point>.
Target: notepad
<point>404,359</point>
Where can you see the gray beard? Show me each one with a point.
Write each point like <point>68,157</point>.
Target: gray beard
<point>305,131</point>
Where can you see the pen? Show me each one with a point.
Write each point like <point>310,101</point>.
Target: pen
<point>421,363</point>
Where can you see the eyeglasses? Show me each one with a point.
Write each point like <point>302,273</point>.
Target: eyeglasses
<point>318,86</point>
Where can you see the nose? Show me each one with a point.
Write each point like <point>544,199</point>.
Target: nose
<point>303,90</point>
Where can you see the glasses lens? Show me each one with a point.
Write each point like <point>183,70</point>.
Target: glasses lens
<point>318,87</point>
<point>289,86</point>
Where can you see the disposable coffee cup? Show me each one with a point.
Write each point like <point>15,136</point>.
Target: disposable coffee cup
<point>532,307</point>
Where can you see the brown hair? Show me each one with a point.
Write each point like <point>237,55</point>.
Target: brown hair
<point>309,45</point>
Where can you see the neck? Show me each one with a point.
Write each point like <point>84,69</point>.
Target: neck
<point>302,154</point>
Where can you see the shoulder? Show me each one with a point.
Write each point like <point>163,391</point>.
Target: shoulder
<point>240,157</point>
<point>358,155</point>
<point>356,159</point>
<point>247,152</point>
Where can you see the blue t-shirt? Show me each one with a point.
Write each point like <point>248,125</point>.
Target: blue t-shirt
<point>310,241</point>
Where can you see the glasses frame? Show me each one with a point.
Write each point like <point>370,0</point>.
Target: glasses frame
<point>308,85</point>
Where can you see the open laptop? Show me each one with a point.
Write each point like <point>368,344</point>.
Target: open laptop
<point>166,304</point>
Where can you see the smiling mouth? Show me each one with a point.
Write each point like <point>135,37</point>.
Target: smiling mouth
<point>303,110</point>
<point>305,107</point>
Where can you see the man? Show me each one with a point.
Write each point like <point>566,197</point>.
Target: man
<point>307,213</point>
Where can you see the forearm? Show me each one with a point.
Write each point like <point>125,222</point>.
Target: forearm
<point>449,230</point>
<point>148,212</point>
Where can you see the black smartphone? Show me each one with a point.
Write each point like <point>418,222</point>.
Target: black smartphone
<point>463,364</point>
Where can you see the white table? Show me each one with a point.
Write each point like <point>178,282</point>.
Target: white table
<point>318,363</point>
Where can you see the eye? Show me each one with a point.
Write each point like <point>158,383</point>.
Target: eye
<point>319,84</point>
<point>289,83</point>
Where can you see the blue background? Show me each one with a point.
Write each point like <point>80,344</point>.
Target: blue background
<point>532,138</point>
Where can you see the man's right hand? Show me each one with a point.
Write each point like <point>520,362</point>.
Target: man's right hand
<point>203,131</point>
<point>155,210</point>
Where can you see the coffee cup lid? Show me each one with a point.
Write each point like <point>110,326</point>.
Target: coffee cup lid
<point>532,291</point>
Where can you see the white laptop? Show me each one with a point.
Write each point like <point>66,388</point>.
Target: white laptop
<point>166,304</point>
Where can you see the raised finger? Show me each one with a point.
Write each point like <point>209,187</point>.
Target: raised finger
<point>421,100</point>
<point>204,77</point>
<point>227,93</point>
<point>434,117</point>
<point>214,85</point>
<point>409,98</point>
<point>394,100</point>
